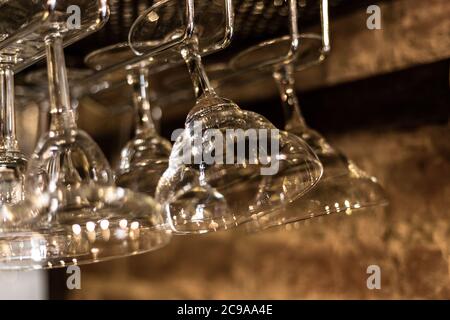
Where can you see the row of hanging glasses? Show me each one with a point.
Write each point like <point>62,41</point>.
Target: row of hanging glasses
<point>66,205</point>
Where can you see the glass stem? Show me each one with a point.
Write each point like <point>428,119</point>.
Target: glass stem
<point>200,81</point>
<point>61,111</point>
<point>142,105</point>
<point>8,140</point>
<point>284,78</point>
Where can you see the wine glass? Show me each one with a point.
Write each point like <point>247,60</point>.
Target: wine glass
<point>20,245</point>
<point>26,23</point>
<point>83,217</point>
<point>12,161</point>
<point>145,158</point>
<point>344,188</point>
<point>201,190</point>
<point>28,244</point>
<point>16,212</point>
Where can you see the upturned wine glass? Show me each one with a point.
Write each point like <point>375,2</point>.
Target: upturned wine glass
<point>145,158</point>
<point>16,213</point>
<point>208,186</point>
<point>344,188</point>
<point>81,216</point>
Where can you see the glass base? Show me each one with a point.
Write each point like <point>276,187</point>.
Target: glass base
<point>166,26</point>
<point>121,223</point>
<point>26,24</point>
<point>344,188</point>
<point>339,195</point>
<point>233,191</point>
<point>271,55</point>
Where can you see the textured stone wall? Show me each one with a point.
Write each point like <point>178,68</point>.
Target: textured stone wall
<point>325,258</point>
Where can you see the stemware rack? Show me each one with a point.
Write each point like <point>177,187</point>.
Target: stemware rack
<point>264,18</point>
<point>255,21</point>
<point>71,191</point>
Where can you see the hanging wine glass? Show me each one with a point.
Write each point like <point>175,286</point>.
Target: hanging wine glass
<point>20,246</point>
<point>84,218</point>
<point>18,243</point>
<point>202,195</point>
<point>145,158</point>
<point>344,187</point>
<point>12,161</point>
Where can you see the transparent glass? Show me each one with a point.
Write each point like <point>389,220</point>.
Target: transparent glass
<point>31,115</point>
<point>169,23</point>
<point>17,213</point>
<point>12,161</point>
<point>70,190</point>
<point>202,198</point>
<point>81,234</point>
<point>39,79</point>
<point>67,162</point>
<point>24,24</point>
<point>302,49</point>
<point>200,195</point>
<point>344,188</point>
<point>145,158</point>
<point>265,55</point>
<point>120,54</point>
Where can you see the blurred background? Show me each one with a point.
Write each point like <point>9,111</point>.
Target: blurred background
<point>382,97</point>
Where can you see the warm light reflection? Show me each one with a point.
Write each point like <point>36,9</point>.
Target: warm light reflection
<point>95,252</point>
<point>134,225</point>
<point>106,234</point>
<point>213,225</point>
<point>76,228</point>
<point>91,236</point>
<point>90,226</point>
<point>104,224</point>
<point>123,223</point>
